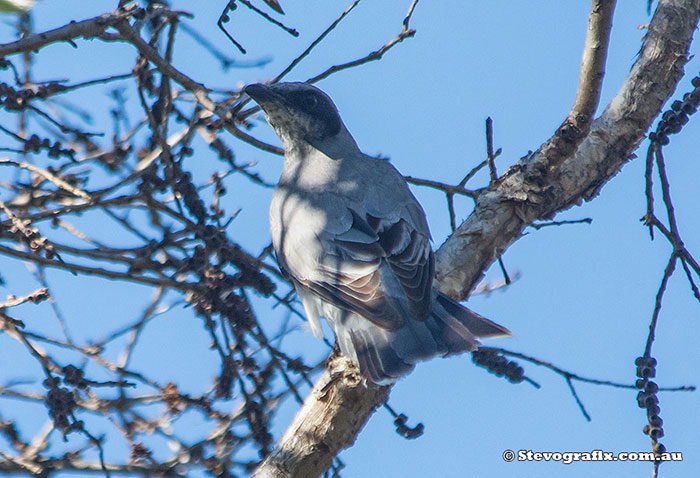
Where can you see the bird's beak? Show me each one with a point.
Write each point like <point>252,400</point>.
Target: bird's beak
<point>262,94</point>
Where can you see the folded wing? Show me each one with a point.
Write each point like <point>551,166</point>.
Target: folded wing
<point>378,268</point>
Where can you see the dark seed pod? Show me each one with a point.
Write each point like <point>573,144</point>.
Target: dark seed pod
<point>694,96</point>
<point>650,401</point>
<point>674,128</point>
<point>655,421</point>
<point>641,399</point>
<point>646,371</point>
<point>689,108</point>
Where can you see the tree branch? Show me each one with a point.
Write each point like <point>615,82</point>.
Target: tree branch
<point>90,28</point>
<point>334,412</point>
<point>503,211</point>
<point>593,63</point>
<point>96,271</point>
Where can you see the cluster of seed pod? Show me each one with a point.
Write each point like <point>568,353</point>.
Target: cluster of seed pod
<point>61,403</point>
<point>182,183</point>
<point>673,120</point>
<point>497,364</point>
<point>34,144</point>
<point>646,398</point>
<point>404,430</point>
<point>18,100</point>
<point>72,375</point>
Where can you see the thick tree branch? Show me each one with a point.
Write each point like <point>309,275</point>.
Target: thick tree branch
<point>577,123</point>
<point>337,408</point>
<point>548,181</point>
<point>544,183</point>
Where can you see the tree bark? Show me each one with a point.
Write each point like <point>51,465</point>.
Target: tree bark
<point>563,172</point>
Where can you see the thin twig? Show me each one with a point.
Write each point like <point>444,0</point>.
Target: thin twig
<point>224,18</point>
<point>666,192</point>
<point>78,268</point>
<point>375,55</point>
<point>578,400</point>
<point>689,275</point>
<point>448,188</point>
<point>267,17</point>
<point>35,297</point>
<point>314,43</point>
<point>649,187</point>
<point>49,176</point>
<point>489,150</point>
<point>540,225</point>
<point>579,378</point>
<point>657,304</point>
<point>506,278</point>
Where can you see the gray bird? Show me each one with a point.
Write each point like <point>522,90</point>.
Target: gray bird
<point>355,243</point>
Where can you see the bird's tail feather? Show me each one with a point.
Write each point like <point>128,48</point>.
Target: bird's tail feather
<point>477,325</point>
<point>385,355</point>
<point>377,360</point>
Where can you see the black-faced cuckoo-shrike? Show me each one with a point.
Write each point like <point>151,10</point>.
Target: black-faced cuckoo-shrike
<point>355,243</point>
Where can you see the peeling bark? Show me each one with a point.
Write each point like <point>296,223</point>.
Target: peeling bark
<point>330,419</point>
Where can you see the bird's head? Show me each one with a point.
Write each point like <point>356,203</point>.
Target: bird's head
<point>302,116</point>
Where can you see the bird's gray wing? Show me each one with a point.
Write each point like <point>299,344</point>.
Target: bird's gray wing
<point>379,267</point>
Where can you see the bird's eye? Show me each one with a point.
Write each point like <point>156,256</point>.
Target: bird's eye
<point>310,102</point>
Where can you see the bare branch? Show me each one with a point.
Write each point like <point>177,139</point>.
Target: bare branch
<point>489,150</point>
<point>448,188</point>
<point>593,64</point>
<point>50,176</point>
<point>91,28</point>
<point>314,43</point>
<point>406,32</point>
<point>332,415</point>
<point>35,297</point>
<point>580,378</point>
<point>668,272</point>
<point>138,278</point>
<point>151,54</point>
<point>585,220</point>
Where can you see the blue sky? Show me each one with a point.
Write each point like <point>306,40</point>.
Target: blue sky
<point>585,293</point>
